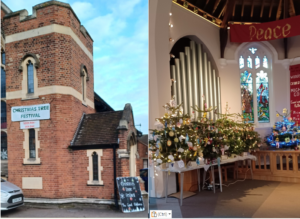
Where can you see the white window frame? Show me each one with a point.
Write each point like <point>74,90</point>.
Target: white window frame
<point>27,159</point>
<point>90,167</point>
<point>260,52</point>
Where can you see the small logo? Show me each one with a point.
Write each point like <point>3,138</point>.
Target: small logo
<point>161,214</point>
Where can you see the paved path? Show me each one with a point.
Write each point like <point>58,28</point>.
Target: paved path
<point>70,211</point>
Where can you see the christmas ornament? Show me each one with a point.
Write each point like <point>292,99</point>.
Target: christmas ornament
<point>171,133</point>
<point>169,143</point>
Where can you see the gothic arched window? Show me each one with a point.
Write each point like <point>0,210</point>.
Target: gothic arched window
<point>95,166</point>
<point>3,146</point>
<point>30,77</point>
<point>254,80</point>
<point>3,83</point>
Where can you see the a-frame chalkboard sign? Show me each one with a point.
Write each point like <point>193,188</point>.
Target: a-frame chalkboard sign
<point>130,194</point>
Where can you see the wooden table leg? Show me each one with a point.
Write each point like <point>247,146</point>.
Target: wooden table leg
<point>166,185</point>
<point>198,174</point>
<point>220,176</point>
<point>181,187</point>
<point>251,169</point>
<point>213,176</point>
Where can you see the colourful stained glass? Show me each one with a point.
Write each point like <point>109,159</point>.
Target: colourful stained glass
<point>262,91</point>
<point>247,96</point>
<point>257,62</point>
<point>242,62</point>
<point>249,62</point>
<point>265,62</point>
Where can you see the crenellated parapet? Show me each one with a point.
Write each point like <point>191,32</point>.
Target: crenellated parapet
<point>45,14</point>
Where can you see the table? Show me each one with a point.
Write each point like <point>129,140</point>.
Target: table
<point>182,170</point>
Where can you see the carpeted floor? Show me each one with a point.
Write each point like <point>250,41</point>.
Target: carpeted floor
<point>250,199</point>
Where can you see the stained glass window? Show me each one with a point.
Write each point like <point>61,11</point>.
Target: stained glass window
<point>257,62</point>
<point>265,62</point>
<point>3,115</point>
<point>262,92</point>
<point>3,146</point>
<point>247,96</point>
<point>249,62</point>
<point>252,50</point>
<point>95,166</point>
<point>32,143</point>
<point>242,62</point>
<point>3,83</point>
<point>30,78</point>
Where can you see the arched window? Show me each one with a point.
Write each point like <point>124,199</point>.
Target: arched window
<point>30,77</point>
<point>3,57</point>
<point>32,152</point>
<point>254,79</point>
<point>83,87</point>
<point>3,115</point>
<point>3,83</point>
<point>95,167</point>
<point>3,146</point>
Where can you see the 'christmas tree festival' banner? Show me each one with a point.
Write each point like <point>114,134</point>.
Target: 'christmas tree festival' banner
<point>33,112</point>
<point>265,31</point>
<point>131,198</point>
<point>295,92</point>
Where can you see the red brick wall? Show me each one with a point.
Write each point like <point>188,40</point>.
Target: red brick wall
<point>142,150</point>
<point>52,14</point>
<point>55,136</point>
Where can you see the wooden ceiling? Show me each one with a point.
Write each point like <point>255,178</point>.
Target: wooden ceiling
<point>244,11</point>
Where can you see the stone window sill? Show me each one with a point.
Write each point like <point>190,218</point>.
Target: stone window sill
<point>84,103</point>
<point>30,97</point>
<point>32,161</point>
<point>94,183</point>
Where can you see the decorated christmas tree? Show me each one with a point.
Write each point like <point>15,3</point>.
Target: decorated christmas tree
<point>285,133</point>
<point>179,136</point>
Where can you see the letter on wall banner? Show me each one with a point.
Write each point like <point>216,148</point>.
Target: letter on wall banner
<point>266,31</point>
<point>295,92</point>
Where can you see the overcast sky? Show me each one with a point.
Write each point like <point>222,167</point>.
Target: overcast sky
<point>119,29</point>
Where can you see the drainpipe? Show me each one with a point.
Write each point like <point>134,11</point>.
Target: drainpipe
<point>115,179</point>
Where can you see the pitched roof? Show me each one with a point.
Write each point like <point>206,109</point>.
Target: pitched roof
<point>100,104</point>
<point>143,139</point>
<point>98,129</point>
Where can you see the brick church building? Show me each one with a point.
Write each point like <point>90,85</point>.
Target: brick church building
<point>59,139</point>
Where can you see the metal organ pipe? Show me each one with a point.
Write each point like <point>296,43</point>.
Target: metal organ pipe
<point>195,74</point>
<point>195,78</point>
<point>178,83</point>
<point>173,74</point>
<point>189,79</point>
<point>184,83</point>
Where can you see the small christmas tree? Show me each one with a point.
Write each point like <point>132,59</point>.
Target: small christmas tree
<point>285,133</point>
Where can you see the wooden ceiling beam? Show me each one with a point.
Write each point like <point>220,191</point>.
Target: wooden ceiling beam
<point>233,11</point>
<point>228,13</point>
<point>279,10</point>
<point>217,2</point>
<point>223,9</point>
<point>243,7</point>
<point>262,8</point>
<point>252,8</point>
<point>271,8</point>
<point>292,9</point>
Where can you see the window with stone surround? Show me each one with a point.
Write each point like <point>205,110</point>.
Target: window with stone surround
<point>3,146</point>
<point>30,77</point>
<point>31,145</point>
<point>84,78</point>
<point>3,83</point>
<point>94,169</point>
<point>3,115</point>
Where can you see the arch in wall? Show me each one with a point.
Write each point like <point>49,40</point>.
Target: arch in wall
<point>132,149</point>
<point>194,75</point>
<point>34,56</point>
<point>82,70</point>
<point>272,56</point>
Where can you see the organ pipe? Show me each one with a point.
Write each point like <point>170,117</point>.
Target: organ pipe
<point>184,83</point>
<point>179,81</point>
<point>195,77</point>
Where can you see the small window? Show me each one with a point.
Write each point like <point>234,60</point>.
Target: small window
<point>3,115</point>
<point>3,58</point>
<point>3,146</point>
<point>242,63</point>
<point>3,83</point>
<point>32,152</point>
<point>257,62</point>
<point>145,163</point>
<point>30,77</point>
<point>249,62</point>
<point>83,93</point>
<point>95,166</point>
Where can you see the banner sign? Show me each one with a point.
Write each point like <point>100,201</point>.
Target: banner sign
<point>295,92</point>
<point>265,31</point>
<point>33,112</point>
<point>130,194</point>
<point>30,124</point>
